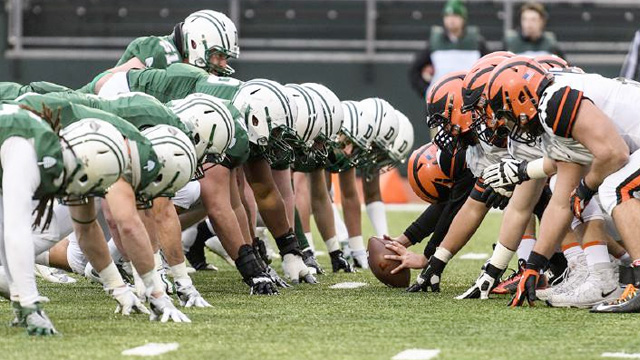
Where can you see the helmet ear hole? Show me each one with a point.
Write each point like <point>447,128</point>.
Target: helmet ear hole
<point>254,120</point>
<point>196,138</point>
<point>522,97</point>
<point>159,178</point>
<point>84,178</point>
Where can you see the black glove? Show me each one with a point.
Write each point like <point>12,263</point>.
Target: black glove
<point>311,261</point>
<point>260,248</point>
<point>276,278</point>
<point>338,262</point>
<point>261,284</point>
<point>429,277</point>
<point>497,199</point>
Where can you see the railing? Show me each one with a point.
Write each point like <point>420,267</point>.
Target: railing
<point>365,50</point>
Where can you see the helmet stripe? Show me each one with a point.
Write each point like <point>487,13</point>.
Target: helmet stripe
<point>219,109</point>
<point>284,100</point>
<point>326,110</point>
<point>217,24</point>
<point>311,109</point>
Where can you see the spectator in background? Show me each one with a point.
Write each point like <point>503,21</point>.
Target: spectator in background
<point>532,40</point>
<point>631,66</point>
<point>454,48</point>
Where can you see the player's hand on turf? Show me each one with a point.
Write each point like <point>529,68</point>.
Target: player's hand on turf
<point>276,278</point>
<point>262,284</point>
<point>497,198</point>
<point>127,301</point>
<point>408,259</point>
<point>428,279</point>
<point>34,319</point>
<point>338,262</point>
<point>526,288</point>
<point>508,172</point>
<point>296,270</point>
<point>580,198</point>
<point>163,310</point>
<point>311,261</point>
<point>260,248</point>
<point>480,289</point>
<point>189,296</point>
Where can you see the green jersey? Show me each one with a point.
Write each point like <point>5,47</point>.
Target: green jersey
<point>156,52</point>
<point>15,121</point>
<point>11,90</point>
<point>180,80</point>
<point>71,112</point>
<point>238,152</point>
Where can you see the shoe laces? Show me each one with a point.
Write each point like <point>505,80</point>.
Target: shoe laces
<point>629,293</point>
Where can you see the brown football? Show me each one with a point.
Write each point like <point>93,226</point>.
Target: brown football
<point>381,267</point>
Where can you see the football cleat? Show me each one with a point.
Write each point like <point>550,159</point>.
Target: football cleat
<point>216,247</point>
<point>169,288</point>
<point>310,260</point>
<point>575,274</point>
<point>600,286</point>
<point>54,275</point>
<point>338,262</point>
<point>360,259</point>
<point>628,302</point>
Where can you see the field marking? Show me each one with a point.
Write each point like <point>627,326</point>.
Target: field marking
<point>474,256</point>
<point>621,355</point>
<point>417,354</point>
<point>348,285</point>
<point>151,349</point>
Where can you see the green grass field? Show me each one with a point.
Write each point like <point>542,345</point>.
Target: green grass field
<point>315,322</point>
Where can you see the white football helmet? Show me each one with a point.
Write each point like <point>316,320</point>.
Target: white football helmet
<point>206,32</point>
<point>280,113</point>
<point>331,109</point>
<point>310,118</point>
<point>177,156</point>
<point>357,127</point>
<point>386,122</point>
<point>210,121</point>
<point>403,143</point>
<point>95,156</point>
<point>262,106</point>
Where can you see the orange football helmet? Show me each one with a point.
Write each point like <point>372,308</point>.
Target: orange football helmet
<point>444,110</point>
<point>513,94</point>
<point>426,177</point>
<point>552,62</point>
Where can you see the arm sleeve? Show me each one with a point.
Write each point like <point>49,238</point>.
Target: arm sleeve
<point>562,109</point>
<point>630,68</point>
<point>20,179</point>
<point>424,225</point>
<point>415,72</point>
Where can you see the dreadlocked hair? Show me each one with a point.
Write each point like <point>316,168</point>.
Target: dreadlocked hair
<point>45,202</point>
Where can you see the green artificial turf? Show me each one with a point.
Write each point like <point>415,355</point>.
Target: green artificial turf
<point>315,322</point>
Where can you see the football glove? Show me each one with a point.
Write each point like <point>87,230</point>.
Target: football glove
<point>338,262</point>
<point>296,270</point>
<point>526,289</point>
<point>505,173</point>
<point>163,310</point>
<point>127,301</point>
<point>497,198</point>
<point>580,198</point>
<point>260,248</point>
<point>261,284</point>
<point>429,277</point>
<point>34,319</point>
<point>311,261</point>
<point>189,296</point>
<point>276,278</point>
<point>480,289</point>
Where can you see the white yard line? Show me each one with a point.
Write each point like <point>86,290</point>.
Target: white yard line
<point>151,349</point>
<point>621,355</point>
<point>417,354</point>
<point>348,285</point>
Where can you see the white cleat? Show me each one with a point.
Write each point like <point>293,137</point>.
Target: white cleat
<point>263,233</point>
<point>600,286</point>
<point>577,273</point>
<point>91,274</point>
<point>54,275</point>
<point>360,259</point>
<point>215,245</point>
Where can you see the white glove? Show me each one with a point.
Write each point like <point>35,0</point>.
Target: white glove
<point>503,174</point>
<point>480,289</point>
<point>162,309</point>
<point>189,296</point>
<point>127,301</point>
<point>295,269</point>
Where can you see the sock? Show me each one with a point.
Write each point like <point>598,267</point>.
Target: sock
<point>596,253</point>
<point>341,228</point>
<point>303,242</point>
<point>113,250</point>
<point>443,255</point>
<point>209,226</point>
<point>332,244</point>
<point>43,259</point>
<point>356,243</point>
<point>152,282</point>
<point>179,273</point>
<point>526,246</point>
<point>111,277</point>
<point>309,236</point>
<point>572,250</point>
<point>501,256</point>
<point>378,217</point>
<point>625,259</point>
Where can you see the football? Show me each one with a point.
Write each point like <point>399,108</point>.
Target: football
<point>381,267</point>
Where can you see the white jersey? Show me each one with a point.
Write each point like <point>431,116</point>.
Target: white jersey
<point>482,155</point>
<point>521,151</point>
<point>619,99</point>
